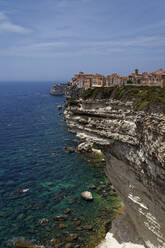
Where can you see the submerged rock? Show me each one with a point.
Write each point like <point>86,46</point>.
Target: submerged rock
<point>53,241</point>
<point>92,186</point>
<point>59,107</point>
<point>88,227</point>
<point>72,237</point>
<point>86,195</point>
<point>79,228</point>
<point>44,221</point>
<point>67,211</point>
<point>23,190</point>
<point>78,222</point>
<point>53,154</point>
<point>60,218</point>
<point>23,243</point>
<point>72,200</point>
<point>62,226</point>
<point>68,245</point>
<point>69,149</point>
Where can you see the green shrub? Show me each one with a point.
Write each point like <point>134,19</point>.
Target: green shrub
<point>73,102</point>
<point>99,93</point>
<point>129,81</point>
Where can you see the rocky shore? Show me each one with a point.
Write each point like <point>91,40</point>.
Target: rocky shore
<point>128,125</point>
<point>58,89</point>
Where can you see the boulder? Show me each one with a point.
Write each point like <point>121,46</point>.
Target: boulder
<point>53,241</point>
<point>84,147</point>
<point>60,218</point>
<point>78,222</point>
<point>62,226</point>
<point>23,243</point>
<point>44,221</point>
<point>88,227</point>
<point>92,186</point>
<point>86,195</point>
<point>67,211</point>
<point>72,200</point>
<point>68,245</point>
<point>72,237</point>
<point>69,149</point>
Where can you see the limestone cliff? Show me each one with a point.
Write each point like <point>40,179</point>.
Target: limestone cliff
<point>128,125</point>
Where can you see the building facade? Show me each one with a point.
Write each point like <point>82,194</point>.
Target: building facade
<point>86,81</point>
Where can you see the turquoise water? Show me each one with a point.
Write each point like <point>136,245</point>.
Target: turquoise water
<point>33,136</point>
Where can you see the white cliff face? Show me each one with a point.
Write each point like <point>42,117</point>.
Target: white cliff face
<point>133,143</point>
<point>122,235</point>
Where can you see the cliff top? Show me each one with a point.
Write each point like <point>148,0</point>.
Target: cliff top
<point>150,99</point>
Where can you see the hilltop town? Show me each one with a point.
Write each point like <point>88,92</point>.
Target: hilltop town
<point>155,78</point>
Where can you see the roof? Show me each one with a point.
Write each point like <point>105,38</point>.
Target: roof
<point>99,75</point>
<point>159,72</point>
<point>124,77</point>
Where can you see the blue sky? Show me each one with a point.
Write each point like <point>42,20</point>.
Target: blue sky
<point>53,39</point>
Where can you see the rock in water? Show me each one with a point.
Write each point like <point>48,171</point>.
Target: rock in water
<point>68,245</point>
<point>72,237</point>
<point>43,221</point>
<point>86,195</point>
<point>84,147</point>
<point>60,218</point>
<point>92,186</point>
<point>69,149</point>
<point>23,243</point>
<point>67,211</point>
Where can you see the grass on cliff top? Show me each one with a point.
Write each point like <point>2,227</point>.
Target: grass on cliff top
<point>144,97</point>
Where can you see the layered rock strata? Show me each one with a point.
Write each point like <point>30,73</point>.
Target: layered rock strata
<point>133,143</point>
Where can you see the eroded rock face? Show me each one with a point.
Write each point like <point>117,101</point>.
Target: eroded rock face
<point>133,143</point>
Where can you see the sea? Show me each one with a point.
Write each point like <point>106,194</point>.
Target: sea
<point>39,179</point>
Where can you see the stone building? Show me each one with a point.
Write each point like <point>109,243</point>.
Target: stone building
<point>135,77</point>
<point>88,80</point>
<point>156,78</point>
<point>113,79</point>
<point>98,80</point>
<point>82,80</point>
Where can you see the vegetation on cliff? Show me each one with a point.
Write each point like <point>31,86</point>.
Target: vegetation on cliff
<point>144,97</point>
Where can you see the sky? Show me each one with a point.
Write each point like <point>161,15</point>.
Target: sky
<point>48,40</point>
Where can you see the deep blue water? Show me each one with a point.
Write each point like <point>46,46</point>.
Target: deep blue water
<point>32,139</point>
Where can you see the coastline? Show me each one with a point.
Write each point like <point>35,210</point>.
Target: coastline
<point>41,179</point>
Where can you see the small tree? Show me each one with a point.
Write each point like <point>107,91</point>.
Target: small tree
<point>138,81</point>
<point>129,81</point>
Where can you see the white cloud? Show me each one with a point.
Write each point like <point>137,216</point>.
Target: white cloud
<point>48,45</point>
<point>10,27</point>
<point>65,49</point>
<point>7,26</point>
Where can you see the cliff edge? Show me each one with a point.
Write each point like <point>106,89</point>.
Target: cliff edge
<point>128,125</point>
